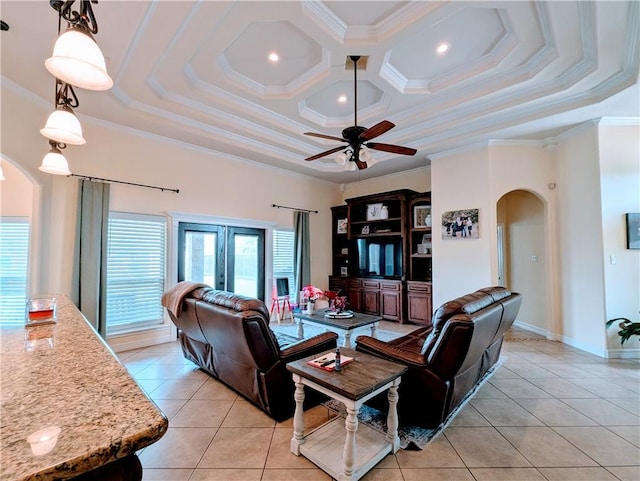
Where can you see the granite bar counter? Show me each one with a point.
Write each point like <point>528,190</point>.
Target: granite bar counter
<point>67,405</point>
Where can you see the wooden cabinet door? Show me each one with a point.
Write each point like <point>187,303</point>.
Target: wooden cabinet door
<point>354,294</point>
<point>419,302</point>
<point>391,302</point>
<point>371,301</point>
<point>419,309</point>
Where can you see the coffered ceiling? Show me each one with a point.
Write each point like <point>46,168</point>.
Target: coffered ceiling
<point>199,72</point>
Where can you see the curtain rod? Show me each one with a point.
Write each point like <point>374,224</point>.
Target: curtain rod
<point>92,178</point>
<point>294,208</point>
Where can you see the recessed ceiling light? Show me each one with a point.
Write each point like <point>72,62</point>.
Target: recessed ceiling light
<point>442,48</point>
<point>273,57</point>
<point>342,99</point>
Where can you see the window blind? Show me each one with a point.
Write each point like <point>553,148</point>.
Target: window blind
<point>136,269</point>
<point>283,243</point>
<point>14,265</point>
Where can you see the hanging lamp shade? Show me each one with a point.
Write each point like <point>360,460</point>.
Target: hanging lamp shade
<point>64,127</point>
<point>55,163</point>
<point>77,60</point>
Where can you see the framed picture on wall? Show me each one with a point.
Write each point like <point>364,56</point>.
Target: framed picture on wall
<point>461,224</point>
<point>633,231</point>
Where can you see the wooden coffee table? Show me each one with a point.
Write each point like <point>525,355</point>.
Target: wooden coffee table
<point>328,446</point>
<point>347,325</point>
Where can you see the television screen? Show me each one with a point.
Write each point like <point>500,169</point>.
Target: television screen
<point>379,258</point>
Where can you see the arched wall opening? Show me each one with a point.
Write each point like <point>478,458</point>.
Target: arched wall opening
<point>20,196</point>
<point>523,256</point>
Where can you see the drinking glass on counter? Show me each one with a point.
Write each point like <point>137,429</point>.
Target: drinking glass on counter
<point>41,310</point>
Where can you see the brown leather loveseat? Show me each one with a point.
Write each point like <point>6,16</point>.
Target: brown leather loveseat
<point>448,359</point>
<point>228,336</point>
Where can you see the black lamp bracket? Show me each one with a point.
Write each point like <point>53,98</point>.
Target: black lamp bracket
<point>84,19</point>
<point>65,95</point>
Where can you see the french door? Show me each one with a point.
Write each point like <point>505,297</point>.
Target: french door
<point>225,257</point>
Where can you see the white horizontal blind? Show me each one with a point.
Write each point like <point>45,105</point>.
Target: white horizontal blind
<point>136,267</point>
<point>14,264</point>
<point>283,244</point>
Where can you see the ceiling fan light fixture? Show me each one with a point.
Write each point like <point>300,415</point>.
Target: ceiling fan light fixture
<point>77,60</point>
<point>54,162</point>
<point>350,166</point>
<point>64,127</point>
<point>341,158</point>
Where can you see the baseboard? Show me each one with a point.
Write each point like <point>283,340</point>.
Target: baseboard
<point>532,328</point>
<point>139,339</point>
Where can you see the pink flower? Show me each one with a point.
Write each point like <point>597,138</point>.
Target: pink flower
<point>312,293</point>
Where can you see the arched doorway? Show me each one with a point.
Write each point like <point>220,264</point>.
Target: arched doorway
<point>522,256</point>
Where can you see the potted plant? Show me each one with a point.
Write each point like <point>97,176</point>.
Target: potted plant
<point>627,328</point>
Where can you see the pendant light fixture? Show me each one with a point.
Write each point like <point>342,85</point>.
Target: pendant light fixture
<point>77,59</point>
<point>62,125</point>
<point>54,162</point>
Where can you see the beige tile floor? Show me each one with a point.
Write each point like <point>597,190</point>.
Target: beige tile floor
<point>550,412</point>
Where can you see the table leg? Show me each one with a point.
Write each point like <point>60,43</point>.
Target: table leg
<point>349,453</point>
<point>298,416</point>
<point>347,339</point>
<point>374,326</point>
<point>392,417</point>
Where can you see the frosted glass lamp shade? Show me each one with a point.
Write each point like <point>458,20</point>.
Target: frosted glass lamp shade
<point>350,166</point>
<point>63,127</point>
<point>55,163</point>
<point>1,174</point>
<point>365,154</point>
<point>77,60</point>
<point>341,159</point>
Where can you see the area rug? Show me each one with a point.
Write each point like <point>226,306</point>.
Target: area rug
<point>411,437</point>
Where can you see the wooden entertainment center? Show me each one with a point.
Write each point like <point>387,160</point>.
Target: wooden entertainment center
<point>381,254</point>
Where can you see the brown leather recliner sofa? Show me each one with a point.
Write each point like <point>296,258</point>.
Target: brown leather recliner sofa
<point>448,359</point>
<point>228,336</point>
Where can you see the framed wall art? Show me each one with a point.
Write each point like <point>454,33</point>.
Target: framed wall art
<point>633,230</point>
<point>461,224</point>
<point>374,211</point>
<point>342,226</point>
<point>421,216</point>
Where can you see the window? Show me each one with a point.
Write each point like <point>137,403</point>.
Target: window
<point>135,270</point>
<point>14,263</point>
<point>283,248</point>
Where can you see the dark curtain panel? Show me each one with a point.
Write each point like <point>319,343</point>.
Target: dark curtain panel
<point>89,289</point>
<point>302,251</point>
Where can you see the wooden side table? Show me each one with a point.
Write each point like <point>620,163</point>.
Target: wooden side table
<point>347,453</point>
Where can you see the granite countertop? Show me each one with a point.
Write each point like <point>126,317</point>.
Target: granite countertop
<point>63,378</point>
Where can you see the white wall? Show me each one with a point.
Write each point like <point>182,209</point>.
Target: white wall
<point>416,179</point>
<point>580,240</point>
<point>620,186</point>
<point>460,266</point>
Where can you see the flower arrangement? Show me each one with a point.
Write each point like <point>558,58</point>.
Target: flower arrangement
<point>339,304</point>
<point>311,293</point>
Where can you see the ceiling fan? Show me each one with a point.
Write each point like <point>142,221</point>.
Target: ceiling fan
<point>356,136</point>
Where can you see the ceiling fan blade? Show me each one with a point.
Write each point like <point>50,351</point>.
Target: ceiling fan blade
<point>322,136</point>
<point>326,152</point>
<point>396,149</point>
<point>378,129</point>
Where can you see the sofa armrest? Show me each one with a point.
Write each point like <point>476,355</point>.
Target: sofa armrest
<point>307,347</point>
<point>376,347</point>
